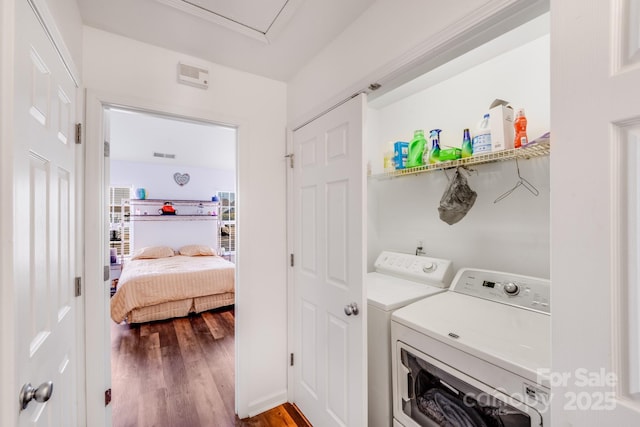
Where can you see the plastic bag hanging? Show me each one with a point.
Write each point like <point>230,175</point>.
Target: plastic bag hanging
<point>457,199</point>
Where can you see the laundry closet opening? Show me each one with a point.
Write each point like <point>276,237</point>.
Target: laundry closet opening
<point>172,238</point>
<point>416,242</point>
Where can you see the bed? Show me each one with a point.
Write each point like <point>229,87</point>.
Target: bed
<point>159,285</point>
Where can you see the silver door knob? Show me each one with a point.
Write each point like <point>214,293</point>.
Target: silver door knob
<point>40,394</point>
<point>350,309</point>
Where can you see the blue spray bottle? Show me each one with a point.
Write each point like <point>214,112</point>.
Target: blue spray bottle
<point>434,153</point>
<point>467,148</point>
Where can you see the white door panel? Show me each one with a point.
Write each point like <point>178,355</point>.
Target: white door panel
<point>44,206</point>
<point>328,216</point>
<point>594,212</point>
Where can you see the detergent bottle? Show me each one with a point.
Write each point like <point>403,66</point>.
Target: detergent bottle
<point>520,126</point>
<point>481,142</point>
<point>416,149</point>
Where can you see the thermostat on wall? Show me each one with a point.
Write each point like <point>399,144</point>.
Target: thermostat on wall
<point>193,75</point>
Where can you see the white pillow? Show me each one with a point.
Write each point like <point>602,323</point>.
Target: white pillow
<point>197,250</point>
<point>151,252</point>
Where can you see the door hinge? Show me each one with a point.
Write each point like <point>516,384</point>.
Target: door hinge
<point>291,359</point>
<point>291,260</point>
<point>78,286</point>
<point>107,149</point>
<point>78,133</point>
<point>290,156</point>
<point>107,396</point>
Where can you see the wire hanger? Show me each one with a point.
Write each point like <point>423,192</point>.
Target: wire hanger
<point>521,181</point>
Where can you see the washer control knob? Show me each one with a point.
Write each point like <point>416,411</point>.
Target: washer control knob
<point>511,289</point>
<point>429,267</point>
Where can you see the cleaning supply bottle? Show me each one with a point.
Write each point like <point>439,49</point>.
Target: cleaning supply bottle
<point>434,152</point>
<point>481,142</point>
<point>520,126</point>
<point>467,149</point>
<point>416,149</point>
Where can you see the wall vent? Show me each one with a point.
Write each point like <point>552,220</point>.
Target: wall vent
<point>164,155</point>
<point>193,76</point>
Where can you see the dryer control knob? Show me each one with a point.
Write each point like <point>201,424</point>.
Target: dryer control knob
<point>429,267</point>
<point>511,289</point>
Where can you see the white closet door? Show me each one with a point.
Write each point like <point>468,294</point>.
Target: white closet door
<point>330,260</point>
<point>595,214</point>
<point>44,225</point>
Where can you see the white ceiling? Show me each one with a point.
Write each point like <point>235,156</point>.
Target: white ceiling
<point>136,136</point>
<point>255,19</point>
<point>272,38</point>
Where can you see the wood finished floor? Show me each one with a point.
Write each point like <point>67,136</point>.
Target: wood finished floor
<point>180,372</point>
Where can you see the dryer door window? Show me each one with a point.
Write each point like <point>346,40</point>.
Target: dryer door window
<point>434,394</point>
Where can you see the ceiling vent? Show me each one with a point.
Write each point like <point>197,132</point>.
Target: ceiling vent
<point>193,76</point>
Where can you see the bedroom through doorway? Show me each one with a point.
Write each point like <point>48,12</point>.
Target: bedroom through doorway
<point>172,210</point>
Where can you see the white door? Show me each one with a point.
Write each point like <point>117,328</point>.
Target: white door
<point>44,223</point>
<point>329,231</point>
<point>595,212</point>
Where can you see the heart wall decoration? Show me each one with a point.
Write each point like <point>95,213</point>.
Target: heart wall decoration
<point>181,178</point>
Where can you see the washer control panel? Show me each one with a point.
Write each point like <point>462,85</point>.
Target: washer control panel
<point>521,291</point>
<point>431,271</point>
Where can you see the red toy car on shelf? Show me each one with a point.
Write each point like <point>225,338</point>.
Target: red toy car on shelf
<point>167,209</point>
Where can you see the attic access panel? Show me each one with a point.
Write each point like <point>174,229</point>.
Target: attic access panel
<point>257,19</point>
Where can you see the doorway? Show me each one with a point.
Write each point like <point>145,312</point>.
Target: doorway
<point>180,369</point>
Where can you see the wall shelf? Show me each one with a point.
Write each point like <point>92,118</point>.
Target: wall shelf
<point>537,148</point>
<point>175,202</point>
<point>158,217</point>
<point>145,209</point>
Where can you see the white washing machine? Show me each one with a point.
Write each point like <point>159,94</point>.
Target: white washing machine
<point>477,355</point>
<point>399,279</point>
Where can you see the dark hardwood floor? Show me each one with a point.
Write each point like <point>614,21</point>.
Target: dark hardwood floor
<point>180,372</point>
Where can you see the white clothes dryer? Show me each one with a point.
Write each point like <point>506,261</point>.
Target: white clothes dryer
<point>399,279</point>
<point>477,355</point>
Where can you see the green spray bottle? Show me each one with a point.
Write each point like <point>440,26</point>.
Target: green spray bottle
<point>416,149</point>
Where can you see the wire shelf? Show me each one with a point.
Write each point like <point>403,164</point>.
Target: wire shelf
<point>539,148</point>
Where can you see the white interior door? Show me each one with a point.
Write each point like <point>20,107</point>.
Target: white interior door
<point>44,254</point>
<point>595,212</point>
<point>330,258</point>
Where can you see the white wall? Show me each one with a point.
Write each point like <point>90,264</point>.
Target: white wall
<point>386,30</point>
<point>158,180</point>
<point>69,23</point>
<point>512,235</point>
<point>124,69</point>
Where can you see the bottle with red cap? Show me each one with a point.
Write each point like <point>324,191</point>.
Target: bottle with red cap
<point>520,125</point>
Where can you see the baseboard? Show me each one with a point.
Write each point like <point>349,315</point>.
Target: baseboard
<point>268,402</point>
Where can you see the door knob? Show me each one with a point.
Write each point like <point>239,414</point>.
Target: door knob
<point>40,394</point>
<point>350,309</point>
